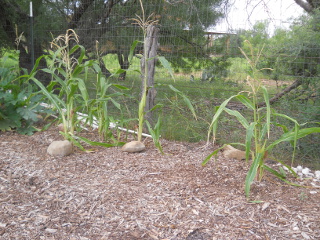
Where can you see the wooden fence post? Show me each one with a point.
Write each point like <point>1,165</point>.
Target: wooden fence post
<point>151,46</point>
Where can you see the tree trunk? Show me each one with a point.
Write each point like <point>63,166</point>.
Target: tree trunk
<point>151,45</point>
<point>272,100</point>
<point>307,6</point>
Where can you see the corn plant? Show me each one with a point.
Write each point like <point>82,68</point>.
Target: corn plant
<point>67,91</point>
<point>258,143</point>
<point>65,70</point>
<point>98,105</point>
<point>144,23</point>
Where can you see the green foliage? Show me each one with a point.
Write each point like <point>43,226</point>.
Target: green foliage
<point>68,93</point>
<point>258,126</point>
<point>109,24</point>
<point>97,107</point>
<point>155,133</point>
<point>65,71</point>
<point>19,101</point>
<point>217,70</point>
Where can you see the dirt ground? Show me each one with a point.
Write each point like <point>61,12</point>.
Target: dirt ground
<point>110,194</point>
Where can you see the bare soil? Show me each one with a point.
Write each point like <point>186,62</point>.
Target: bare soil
<point>110,194</point>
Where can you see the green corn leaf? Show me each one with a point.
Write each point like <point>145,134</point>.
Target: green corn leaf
<point>119,71</point>
<point>83,89</point>
<point>215,152</point>
<point>82,52</point>
<point>286,117</point>
<point>238,115</point>
<point>52,97</point>
<point>282,171</point>
<point>249,135</point>
<point>280,176</point>
<point>252,172</point>
<point>78,70</point>
<point>93,143</point>
<point>155,133</point>
<point>266,99</point>
<point>132,48</point>
<point>245,101</point>
<point>291,135</point>
<point>284,128</point>
<point>56,77</point>
<point>216,116</point>
<point>120,87</point>
<point>115,103</point>
<point>274,172</point>
<point>166,65</point>
<point>96,68</point>
<point>263,132</point>
<point>159,105</point>
<point>186,100</point>
<point>287,166</point>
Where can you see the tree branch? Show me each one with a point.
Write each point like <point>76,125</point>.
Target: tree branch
<point>272,100</point>
<point>305,5</point>
<point>78,12</point>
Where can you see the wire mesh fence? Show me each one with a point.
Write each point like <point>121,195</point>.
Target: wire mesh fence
<point>208,65</point>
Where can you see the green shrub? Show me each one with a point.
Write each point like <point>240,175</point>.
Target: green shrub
<point>19,100</point>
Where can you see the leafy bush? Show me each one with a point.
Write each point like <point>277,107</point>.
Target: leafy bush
<point>19,101</point>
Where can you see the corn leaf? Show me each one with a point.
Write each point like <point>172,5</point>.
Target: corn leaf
<point>166,65</point>
<point>93,143</point>
<point>291,135</point>
<point>238,115</point>
<point>132,48</point>
<point>266,99</point>
<point>216,116</point>
<point>249,135</point>
<point>215,152</point>
<point>185,99</point>
<point>245,101</point>
<point>252,173</point>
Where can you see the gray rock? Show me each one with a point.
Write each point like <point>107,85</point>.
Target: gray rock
<point>60,148</point>
<point>134,146</point>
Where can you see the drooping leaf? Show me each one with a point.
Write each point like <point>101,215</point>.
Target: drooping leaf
<point>291,135</point>
<point>216,116</point>
<point>239,117</point>
<point>245,101</point>
<point>185,99</point>
<point>166,65</point>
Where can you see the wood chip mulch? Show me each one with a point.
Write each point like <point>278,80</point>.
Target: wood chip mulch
<point>110,194</point>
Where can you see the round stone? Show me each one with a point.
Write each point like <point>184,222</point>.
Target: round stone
<point>134,146</point>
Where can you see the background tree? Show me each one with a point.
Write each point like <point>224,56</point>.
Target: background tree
<point>309,5</point>
<point>108,22</point>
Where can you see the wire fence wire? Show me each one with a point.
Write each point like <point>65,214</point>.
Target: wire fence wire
<point>208,66</point>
